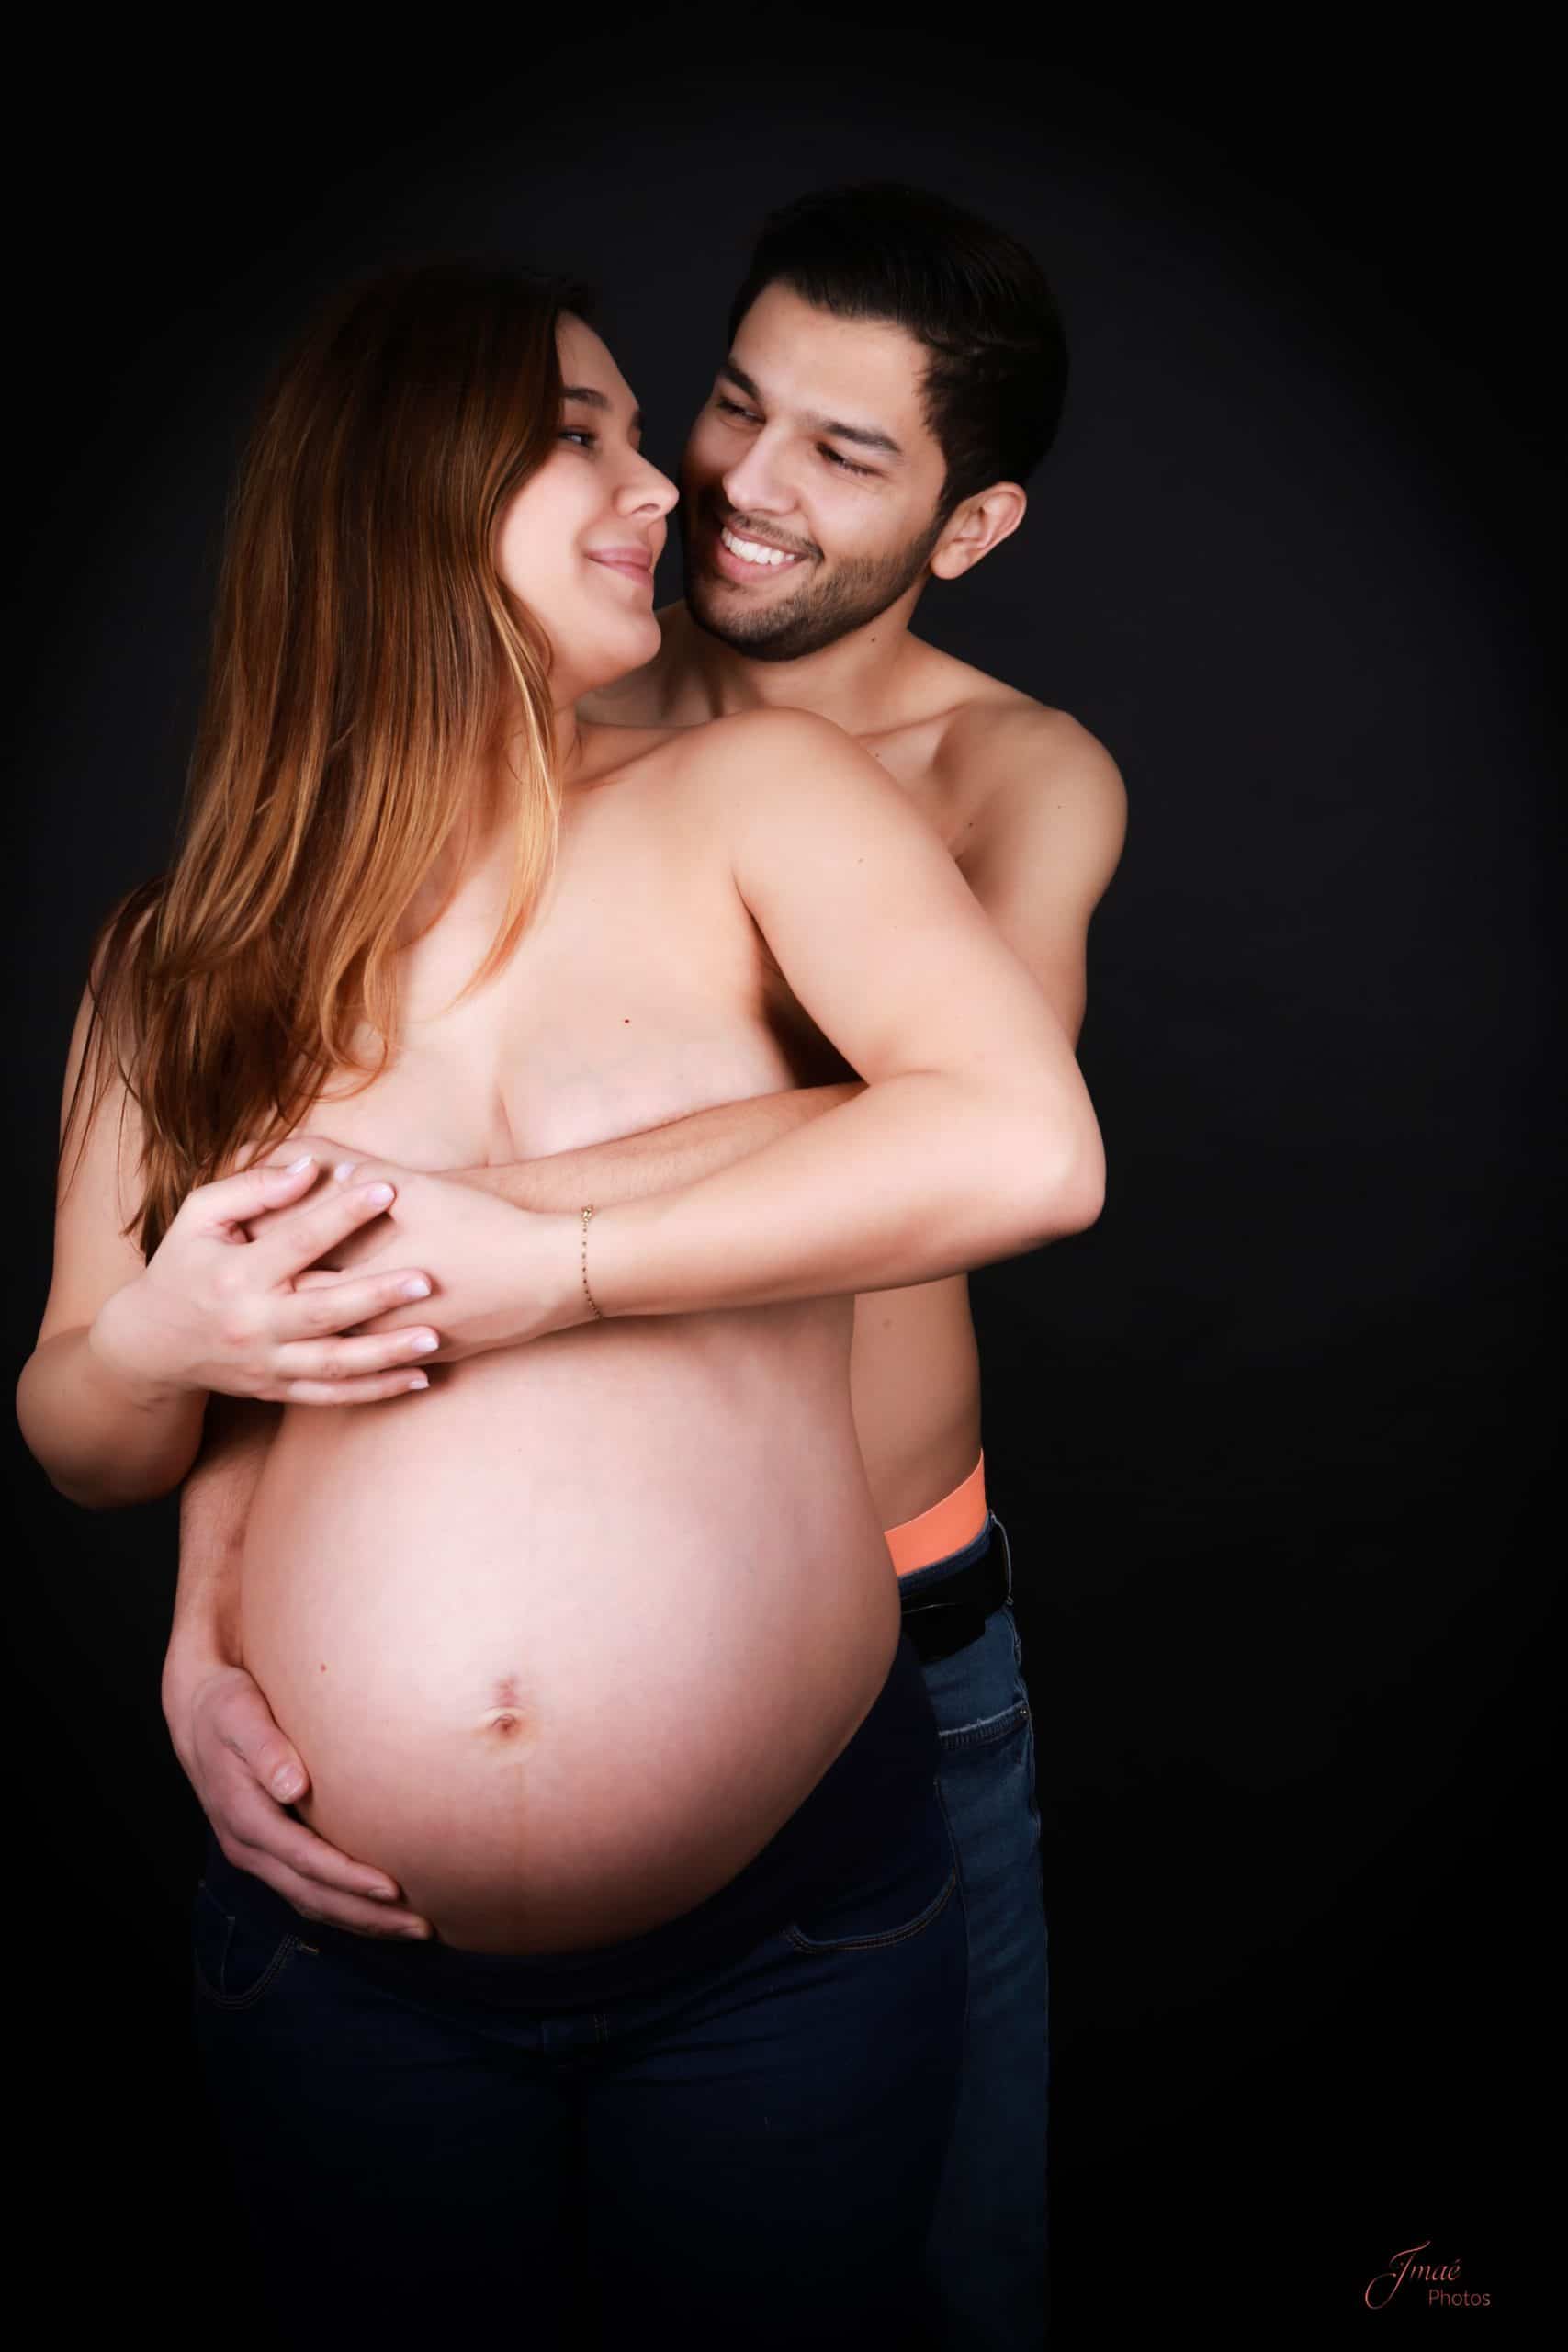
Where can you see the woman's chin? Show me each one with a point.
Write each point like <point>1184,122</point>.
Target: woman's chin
<point>632,651</point>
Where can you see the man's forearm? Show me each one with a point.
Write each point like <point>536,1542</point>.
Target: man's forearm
<point>632,1167</point>
<point>214,1505</point>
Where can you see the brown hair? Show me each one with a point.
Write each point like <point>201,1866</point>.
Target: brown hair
<point>368,664</point>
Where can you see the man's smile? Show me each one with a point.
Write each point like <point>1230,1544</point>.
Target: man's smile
<point>735,555</point>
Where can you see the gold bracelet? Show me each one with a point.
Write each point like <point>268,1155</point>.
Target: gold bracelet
<point>587,1294</point>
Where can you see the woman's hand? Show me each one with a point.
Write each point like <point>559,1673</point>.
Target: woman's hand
<point>214,1310</point>
<point>502,1275</point>
<point>245,1773</point>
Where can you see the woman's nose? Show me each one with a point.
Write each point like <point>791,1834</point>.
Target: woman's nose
<point>649,493</point>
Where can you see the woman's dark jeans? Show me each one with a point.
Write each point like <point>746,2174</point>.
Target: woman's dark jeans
<point>747,2152</point>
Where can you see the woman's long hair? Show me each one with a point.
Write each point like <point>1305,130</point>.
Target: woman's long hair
<point>367,666</point>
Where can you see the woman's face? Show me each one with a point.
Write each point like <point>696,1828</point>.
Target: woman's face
<point>577,544</point>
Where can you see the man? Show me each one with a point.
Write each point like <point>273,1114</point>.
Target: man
<point>894,372</point>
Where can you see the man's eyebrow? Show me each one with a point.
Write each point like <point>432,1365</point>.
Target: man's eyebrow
<point>592,399</point>
<point>864,436</point>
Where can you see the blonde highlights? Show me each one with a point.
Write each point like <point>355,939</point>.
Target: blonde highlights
<point>368,666</point>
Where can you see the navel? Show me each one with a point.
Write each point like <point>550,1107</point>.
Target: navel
<point>503,1720</point>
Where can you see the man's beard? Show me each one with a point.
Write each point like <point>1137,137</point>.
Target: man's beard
<point>857,592</point>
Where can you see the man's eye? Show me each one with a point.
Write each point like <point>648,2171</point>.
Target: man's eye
<point>834,459</point>
<point>733,408</point>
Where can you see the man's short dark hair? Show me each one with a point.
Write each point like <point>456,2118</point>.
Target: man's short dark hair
<point>978,300</point>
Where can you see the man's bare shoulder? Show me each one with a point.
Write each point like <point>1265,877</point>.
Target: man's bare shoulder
<point>1004,749</point>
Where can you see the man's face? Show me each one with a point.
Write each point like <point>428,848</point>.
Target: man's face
<point>809,484</point>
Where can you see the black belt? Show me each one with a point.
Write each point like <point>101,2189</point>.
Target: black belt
<point>955,1613</point>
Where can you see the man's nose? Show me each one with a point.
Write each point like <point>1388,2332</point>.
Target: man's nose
<point>753,485</point>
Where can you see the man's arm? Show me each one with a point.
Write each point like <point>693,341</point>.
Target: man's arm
<point>214,1503</point>
<point>630,1167</point>
<point>1044,845</point>
<point>241,1766</point>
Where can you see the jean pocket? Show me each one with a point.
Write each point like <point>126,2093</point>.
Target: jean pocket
<point>234,1960</point>
<point>986,1733</point>
<point>898,1899</point>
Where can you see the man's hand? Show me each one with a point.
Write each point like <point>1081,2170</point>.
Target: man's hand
<point>236,1759</point>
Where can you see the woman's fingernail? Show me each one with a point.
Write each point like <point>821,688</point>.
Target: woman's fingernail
<point>345,1170</point>
<point>416,1287</point>
<point>378,1193</point>
<point>423,1345</point>
<point>419,1381</point>
<point>287,1781</point>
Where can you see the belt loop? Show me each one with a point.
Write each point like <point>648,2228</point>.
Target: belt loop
<point>1007,1549</point>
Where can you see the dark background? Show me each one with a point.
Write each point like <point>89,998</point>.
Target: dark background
<point>1273,1440</point>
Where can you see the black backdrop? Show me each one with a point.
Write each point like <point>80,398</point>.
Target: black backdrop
<point>1272,1439</point>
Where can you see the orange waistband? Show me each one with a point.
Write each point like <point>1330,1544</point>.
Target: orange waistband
<point>946,1527</point>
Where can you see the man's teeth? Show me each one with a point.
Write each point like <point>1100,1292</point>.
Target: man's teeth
<point>750,551</point>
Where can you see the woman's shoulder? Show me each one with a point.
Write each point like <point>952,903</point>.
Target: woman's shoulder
<point>742,742</point>
<point>748,753</point>
<point>772,727</point>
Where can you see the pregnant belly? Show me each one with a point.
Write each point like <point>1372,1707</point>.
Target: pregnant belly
<point>565,1639</point>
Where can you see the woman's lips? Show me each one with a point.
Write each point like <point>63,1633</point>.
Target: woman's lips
<point>627,566</point>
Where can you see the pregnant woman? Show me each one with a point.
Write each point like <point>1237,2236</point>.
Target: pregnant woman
<point>588,1632</point>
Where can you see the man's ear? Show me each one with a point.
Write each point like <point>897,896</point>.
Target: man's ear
<point>976,526</point>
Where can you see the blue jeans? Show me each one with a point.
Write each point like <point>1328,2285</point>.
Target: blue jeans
<point>986,2260</point>
<point>576,2146</point>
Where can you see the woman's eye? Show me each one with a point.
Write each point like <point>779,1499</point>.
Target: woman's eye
<point>579,433</point>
